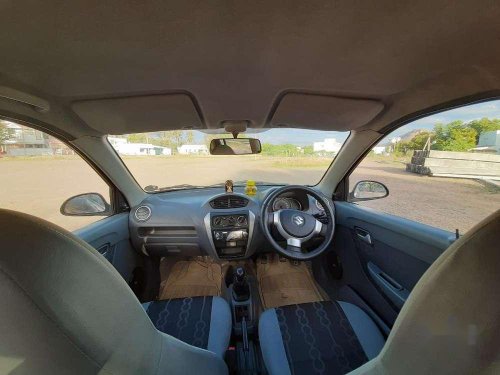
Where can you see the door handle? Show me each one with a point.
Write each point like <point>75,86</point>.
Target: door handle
<point>106,251</point>
<point>390,287</point>
<point>363,235</point>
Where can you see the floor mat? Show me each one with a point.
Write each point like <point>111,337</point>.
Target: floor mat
<point>283,283</point>
<point>193,278</point>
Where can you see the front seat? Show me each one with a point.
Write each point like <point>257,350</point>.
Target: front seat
<point>66,310</point>
<point>450,323</point>
<point>204,322</point>
<point>320,337</point>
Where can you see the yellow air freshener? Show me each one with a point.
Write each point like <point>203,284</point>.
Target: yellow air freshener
<point>251,188</point>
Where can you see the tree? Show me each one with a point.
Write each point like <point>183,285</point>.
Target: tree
<point>189,137</point>
<point>308,150</point>
<point>137,138</point>
<point>280,150</point>
<point>455,136</point>
<point>484,125</point>
<point>419,140</point>
<point>4,133</point>
<point>176,137</point>
<point>171,139</point>
<point>208,137</point>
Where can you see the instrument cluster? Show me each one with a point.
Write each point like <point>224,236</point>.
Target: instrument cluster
<point>286,203</point>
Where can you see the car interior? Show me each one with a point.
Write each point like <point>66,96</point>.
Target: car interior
<point>233,278</point>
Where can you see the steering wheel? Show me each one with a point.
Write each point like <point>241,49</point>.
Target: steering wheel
<point>296,226</point>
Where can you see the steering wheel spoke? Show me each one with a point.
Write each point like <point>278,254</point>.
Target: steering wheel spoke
<point>323,229</point>
<point>294,250</point>
<point>269,218</point>
<point>294,243</point>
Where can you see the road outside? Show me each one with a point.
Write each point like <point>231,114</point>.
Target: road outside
<point>40,185</point>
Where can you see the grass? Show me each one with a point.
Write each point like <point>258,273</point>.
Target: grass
<point>40,158</point>
<point>300,162</point>
<point>285,162</point>
<point>389,159</point>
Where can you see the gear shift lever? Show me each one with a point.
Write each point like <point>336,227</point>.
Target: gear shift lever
<point>241,289</point>
<point>239,275</point>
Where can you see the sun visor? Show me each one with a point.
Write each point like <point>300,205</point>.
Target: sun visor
<point>136,114</point>
<point>323,112</point>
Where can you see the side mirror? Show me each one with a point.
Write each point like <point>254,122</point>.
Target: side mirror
<point>368,190</point>
<point>89,204</point>
<point>235,146</point>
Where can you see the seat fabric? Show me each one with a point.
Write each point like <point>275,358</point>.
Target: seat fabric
<point>204,322</point>
<point>66,310</point>
<point>320,337</point>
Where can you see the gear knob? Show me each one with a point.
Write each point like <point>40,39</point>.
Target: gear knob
<point>241,289</point>
<point>239,274</point>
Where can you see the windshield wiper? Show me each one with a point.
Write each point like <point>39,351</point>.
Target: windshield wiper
<point>156,189</point>
<point>244,182</point>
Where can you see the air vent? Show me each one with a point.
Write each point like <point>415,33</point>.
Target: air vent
<point>143,213</point>
<point>228,201</point>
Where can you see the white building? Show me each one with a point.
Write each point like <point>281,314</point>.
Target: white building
<point>142,149</point>
<point>378,150</point>
<point>328,145</point>
<point>117,141</point>
<point>192,149</point>
<point>122,146</point>
<point>25,141</point>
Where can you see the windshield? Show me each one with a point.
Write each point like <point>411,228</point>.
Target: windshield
<point>180,159</point>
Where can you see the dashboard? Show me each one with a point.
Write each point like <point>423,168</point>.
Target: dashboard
<point>208,221</point>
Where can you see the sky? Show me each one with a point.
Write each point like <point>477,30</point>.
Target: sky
<point>303,137</point>
<point>466,114</point>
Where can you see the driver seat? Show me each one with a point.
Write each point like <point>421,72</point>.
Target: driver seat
<point>320,337</point>
<point>449,324</point>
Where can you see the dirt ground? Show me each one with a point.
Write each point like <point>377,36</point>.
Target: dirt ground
<point>39,186</point>
<point>447,203</point>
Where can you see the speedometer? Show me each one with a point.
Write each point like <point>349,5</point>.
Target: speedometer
<point>281,204</point>
<point>286,203</point>
<point>294,204</point>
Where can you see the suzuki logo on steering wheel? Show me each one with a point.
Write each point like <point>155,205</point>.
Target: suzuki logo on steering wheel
<point>298,220</point>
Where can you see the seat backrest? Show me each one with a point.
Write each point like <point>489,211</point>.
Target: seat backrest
<point>450,324</point>
<point>65,309</point>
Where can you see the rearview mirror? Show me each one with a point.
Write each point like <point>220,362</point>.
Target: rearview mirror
<point>89,204</point>
<point>368,190</point>
<point>235,146</point>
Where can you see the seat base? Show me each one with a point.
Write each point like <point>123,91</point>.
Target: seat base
<point>328,337</point>
<point>204,322</point>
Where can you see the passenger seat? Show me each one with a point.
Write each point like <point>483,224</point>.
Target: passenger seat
<point>204,322</point>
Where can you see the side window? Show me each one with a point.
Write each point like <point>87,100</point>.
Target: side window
<point>442,170</point>
<point>39,173</point>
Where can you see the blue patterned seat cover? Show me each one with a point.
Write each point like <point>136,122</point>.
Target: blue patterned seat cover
<point>187,319</point>
<point>319,339</point>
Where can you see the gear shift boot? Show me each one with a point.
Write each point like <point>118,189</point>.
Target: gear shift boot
<point>241,289</point>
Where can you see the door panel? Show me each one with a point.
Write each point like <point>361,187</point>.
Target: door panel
<point>110,237</point>
<point>384,256</point>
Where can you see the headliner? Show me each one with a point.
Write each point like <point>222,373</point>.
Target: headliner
<point>236,58</point>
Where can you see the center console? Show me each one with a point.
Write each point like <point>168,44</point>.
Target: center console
<point>230,233</point>
<point>244,322</point>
